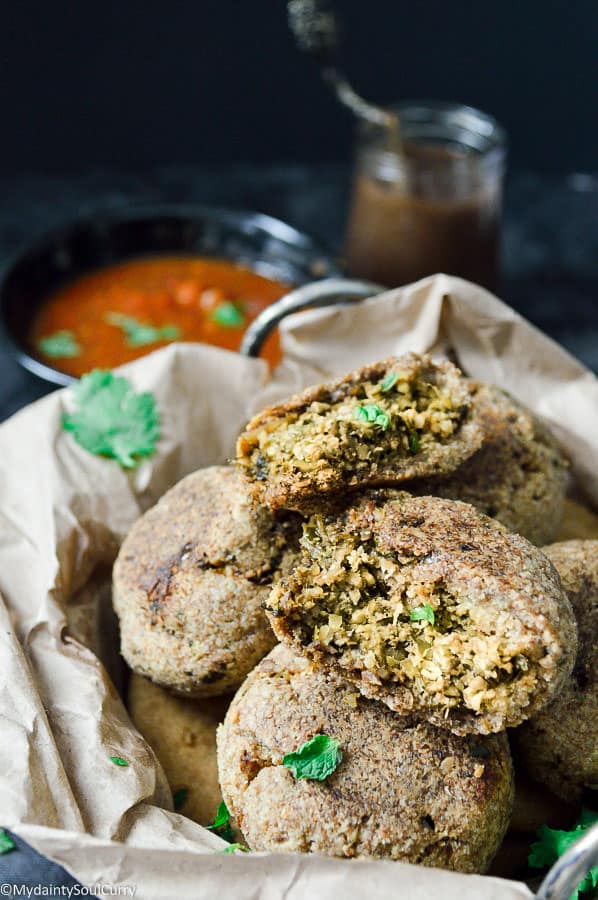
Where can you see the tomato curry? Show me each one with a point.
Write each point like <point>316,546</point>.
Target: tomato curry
<point>117,314</point>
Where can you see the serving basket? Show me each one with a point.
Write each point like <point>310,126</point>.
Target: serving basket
<point>64,512</point>
<point>570,869</point>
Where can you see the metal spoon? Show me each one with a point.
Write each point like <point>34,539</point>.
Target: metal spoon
<point>315,26</point>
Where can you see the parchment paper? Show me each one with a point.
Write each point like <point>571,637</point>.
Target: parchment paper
<point>63,514</point>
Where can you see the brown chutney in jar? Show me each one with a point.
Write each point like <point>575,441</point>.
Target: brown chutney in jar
<point>424,204</point>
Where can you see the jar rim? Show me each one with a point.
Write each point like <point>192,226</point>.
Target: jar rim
<point>443,120</point>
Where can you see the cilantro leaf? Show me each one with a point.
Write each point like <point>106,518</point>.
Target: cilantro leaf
<point>423,613</point>
<point>221,818</point>
<point>111,420</point>
<point>388,382</point>
<point>6,842</point>
<point>221,823</point>
<point>553,843</point>
<point>180,797</point>
<point>60,344</point>
<point>119,761</point>
<point>228,314</point>
<point>232,848</point>
<point>316,759</point>
<point>141,333</point>
<point>170,332</point>
<point>373,415</point>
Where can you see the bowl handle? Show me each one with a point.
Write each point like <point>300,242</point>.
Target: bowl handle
<point>329,292</point>
<point>570,869</point>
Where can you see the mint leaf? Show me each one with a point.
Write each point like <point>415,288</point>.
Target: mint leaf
<point>232,848</point>
<point>60,344</point>
<point>316,759</point>
<point>6,842</point>
<point>423,613</point>
<point>141,333</point>
<point>228,314</point>
<point>553,843</point>
<point>111,420</point>
<point>373,415</point>
<point>180,798</point>
<point>119,761</point>
<point>389,382</point>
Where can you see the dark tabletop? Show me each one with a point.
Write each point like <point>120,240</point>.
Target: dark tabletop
<point>550,242</point>
<point>550,267</point>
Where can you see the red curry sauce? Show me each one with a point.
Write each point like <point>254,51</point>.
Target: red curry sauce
<point>187,298</point>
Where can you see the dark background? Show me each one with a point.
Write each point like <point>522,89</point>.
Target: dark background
<point>129,84</point>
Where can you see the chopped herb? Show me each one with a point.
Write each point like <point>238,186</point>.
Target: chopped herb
<point>423,613</point>
<point>6,842</point>
<point>228,314</point>
<point>373,415</point>
<point>119,761</point>
<point>170,332</point>
<point>141,333</point>
<point>221,823</point>
<point>413,442</point>
<point>389,382</point>
<point>111,420</point>
<point>316,759</point>
<point>221,818</point>
<point>60,344</point>
<point>553,843</point>
<point>232,848</point>
<point>180,797</point>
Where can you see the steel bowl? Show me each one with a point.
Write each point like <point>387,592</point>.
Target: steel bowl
<point>267,245</point>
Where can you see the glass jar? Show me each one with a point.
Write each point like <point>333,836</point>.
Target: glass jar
<point>427,196</point>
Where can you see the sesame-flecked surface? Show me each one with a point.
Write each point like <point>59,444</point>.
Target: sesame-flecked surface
<point>402,790</point>
<point>190,581</point>
<point>433,608</point>
<point>559,745</point>
<point>519,475</point>
<point>423,418</point>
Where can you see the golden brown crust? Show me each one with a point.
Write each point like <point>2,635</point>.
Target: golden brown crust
<point>182,734</point>
<point>190,581</point>
<point>559,745</point>
<point>402,790</point>
<point>501,644</point>
<point>519,476</point>
<point>314,445</point>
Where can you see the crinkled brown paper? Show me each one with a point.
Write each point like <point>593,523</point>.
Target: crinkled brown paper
<point>63,514</point>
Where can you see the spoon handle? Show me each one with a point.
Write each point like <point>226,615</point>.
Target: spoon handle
<point>361,107</point>
<point>315,27</point>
